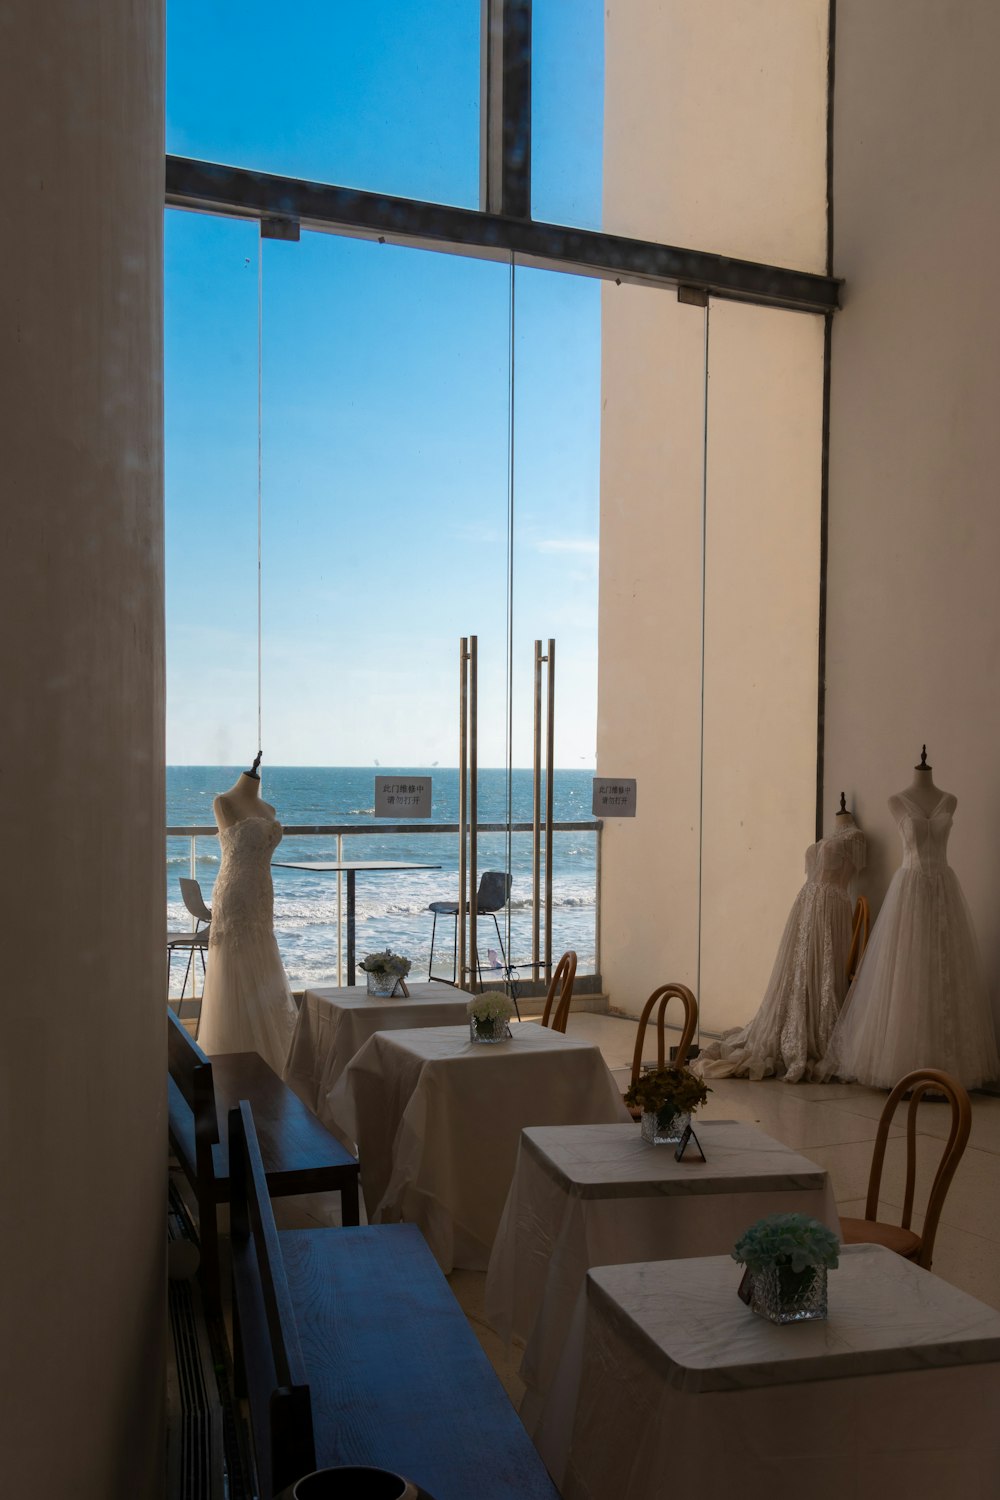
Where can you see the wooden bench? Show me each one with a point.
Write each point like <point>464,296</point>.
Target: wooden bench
<point>351,1349</point>
<point>300,1155</point>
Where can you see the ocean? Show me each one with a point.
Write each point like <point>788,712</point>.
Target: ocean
<point>392,908</point>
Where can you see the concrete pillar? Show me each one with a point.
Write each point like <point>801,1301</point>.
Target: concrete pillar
<point>82,1141</point>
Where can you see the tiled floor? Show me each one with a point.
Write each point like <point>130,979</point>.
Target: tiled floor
<point>832,1124</point>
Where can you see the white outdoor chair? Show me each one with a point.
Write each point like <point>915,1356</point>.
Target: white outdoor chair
<point>190,942</point>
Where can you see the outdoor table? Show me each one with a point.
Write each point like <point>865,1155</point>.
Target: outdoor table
<point>669,1385</point>
<point>599,1195</point>
<point>437,1119</point>
<point>351,868</point>
<point>335,1023</point>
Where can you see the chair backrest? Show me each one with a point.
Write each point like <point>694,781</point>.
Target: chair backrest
<point>663,995</point>
<point>191,1071</point>
<point>562,981</point>
<point>193,899</point>
<point>917,1084</point>
<point>494,891</point>
<point>278,1399</point>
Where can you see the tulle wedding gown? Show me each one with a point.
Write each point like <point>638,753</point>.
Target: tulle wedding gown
<point>248,1006</point>
<point>790,1032</point>
<point>919,999</point>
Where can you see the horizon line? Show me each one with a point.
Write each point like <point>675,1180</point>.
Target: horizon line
<point>391,770</point>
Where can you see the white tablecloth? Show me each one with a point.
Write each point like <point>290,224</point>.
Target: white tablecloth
<point>335,1023</point>
<point>669,1385</point>
<point>599,1195</point>
<point>437,1120</point>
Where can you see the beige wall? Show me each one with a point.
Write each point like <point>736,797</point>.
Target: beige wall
<point>649,636</point>
<point>715,126</point>
<point>762,576</point>
<point>914,624</point>
<point>727,103</point>
<point>82,1070</point>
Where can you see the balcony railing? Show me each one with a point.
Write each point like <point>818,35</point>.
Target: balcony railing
<point>311,910</point>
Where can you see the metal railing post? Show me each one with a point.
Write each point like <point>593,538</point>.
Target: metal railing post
<point>340,893</point>
<point>550,740</point>
<point>463,753</point>
<point>473,812</point>
<point>597,900</point>
<point>536,813</point>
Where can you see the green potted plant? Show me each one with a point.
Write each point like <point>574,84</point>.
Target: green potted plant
<point>787,1257</point>
<point>489,1018</point>
<point>384,971</point>
<point>667,1098</point>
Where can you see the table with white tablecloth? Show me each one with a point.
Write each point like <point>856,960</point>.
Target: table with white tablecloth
<point>669,1385</point>
<point>600,1195</point>
<point>335,1022</point>
<point>437,1120</point>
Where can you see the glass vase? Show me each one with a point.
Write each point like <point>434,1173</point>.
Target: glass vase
<point>665,1128</point>
<point>382,984</point>
<point>488,1029</point>
<point>787,1296</point>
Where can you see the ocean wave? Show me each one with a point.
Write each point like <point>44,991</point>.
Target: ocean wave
<point>321,910</point>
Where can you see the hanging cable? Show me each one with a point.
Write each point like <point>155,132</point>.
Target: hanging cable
<point>704,593</point>
<point>509,976</point>
<point>260,482</point>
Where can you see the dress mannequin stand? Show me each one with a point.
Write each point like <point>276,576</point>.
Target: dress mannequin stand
<point>247,1004</point>
<point>919,999</point>
<point>789,1034</point>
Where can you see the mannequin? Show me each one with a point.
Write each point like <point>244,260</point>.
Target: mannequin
<point>922,790</point>
<point>243,800</point>
<point>919,998</point>
<point>247,1005</point>
<point>790,1032</point>
<point>844,818</point>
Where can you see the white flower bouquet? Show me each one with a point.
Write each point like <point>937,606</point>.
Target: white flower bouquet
<point>386,962</point>
<point>489,1017</point>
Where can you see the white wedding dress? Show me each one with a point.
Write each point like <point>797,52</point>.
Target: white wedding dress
<point>919,999</point>
<point>247,1006</point>
<point>789,1034</point>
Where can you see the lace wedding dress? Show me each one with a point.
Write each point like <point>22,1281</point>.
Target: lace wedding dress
<point>919,999</point>
<point>789,1034</point>
<point>248,1006</point>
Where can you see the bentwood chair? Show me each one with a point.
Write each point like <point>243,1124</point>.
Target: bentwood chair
<point>862,926</point>
<point>491,898</point>
<point>556,1012</point>
<point>662,997</point>
<point>190,942</point>
<point>901,1237</point>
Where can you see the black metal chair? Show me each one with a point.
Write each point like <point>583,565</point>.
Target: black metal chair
<point>492,897</point>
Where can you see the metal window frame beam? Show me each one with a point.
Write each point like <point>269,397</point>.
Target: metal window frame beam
<point>505,108</point>
<point>237,192</point>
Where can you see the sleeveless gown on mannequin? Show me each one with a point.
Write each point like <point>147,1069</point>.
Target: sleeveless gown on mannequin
<point>919,999</point>
<point>790,1032</point>
<point>248,1006</point>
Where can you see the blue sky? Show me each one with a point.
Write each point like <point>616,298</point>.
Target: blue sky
<point>386,379</point>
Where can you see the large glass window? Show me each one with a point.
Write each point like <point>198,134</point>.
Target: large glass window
<point>567,111</point>
<point>383,97</point>
<point>444,441</point>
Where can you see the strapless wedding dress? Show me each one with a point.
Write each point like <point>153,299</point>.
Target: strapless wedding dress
<point>248,1006</point>
<point>919,999</point>
<point>790,1032</point>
